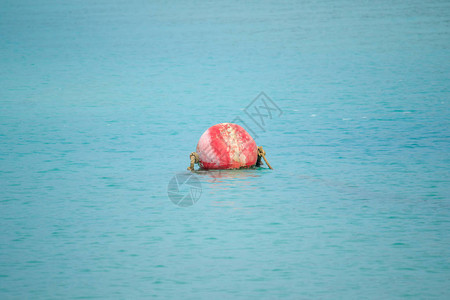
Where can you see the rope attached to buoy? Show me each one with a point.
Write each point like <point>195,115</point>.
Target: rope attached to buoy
<point>261,153</point>
<point>194,160</point>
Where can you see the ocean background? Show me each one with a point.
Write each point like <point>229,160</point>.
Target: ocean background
<point>101,103</point>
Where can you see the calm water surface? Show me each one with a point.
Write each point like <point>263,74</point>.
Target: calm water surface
<point>101,103</point>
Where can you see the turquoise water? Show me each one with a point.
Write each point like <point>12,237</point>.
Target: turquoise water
<point>101,103</point>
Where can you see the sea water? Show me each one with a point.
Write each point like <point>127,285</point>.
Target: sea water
<point>101,103</point>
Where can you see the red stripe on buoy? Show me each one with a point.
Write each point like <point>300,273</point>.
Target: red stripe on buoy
<point>226,146</point>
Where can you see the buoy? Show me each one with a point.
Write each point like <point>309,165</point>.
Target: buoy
<point>226,146</point>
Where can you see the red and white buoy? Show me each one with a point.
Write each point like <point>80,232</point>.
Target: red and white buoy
<point>226,146</point>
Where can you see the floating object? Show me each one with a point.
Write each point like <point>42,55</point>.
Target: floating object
<point>227,146</point>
